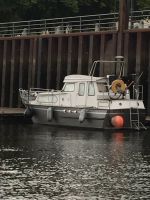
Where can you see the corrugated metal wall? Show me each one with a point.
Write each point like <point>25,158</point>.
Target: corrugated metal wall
<point>43,61</point>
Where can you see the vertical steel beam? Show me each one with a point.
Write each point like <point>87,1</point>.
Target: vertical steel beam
<point>49,62</point>
<point>74,66</point>
<point>30,64</point>
<point>123,25</point>
<point>138,52</point>
<point>34,77</point>
<point>80,49</point>
<point>96,47</point>
<point>69,59</point>
<point>21,68</point>
<point>4,74</point>
<point>148,89</point>
<point>39,63</point>
<point>12,74</point>
<point>120,44</point>
<point>102,54</point>
<point>126,51</point>
<point>1,65</point>
<point>59,62</point>
<point>90,60</point>
<point>123,15</point>
<point>114,45</point>
<point>113,50</point>
<point>102,49</point>
<point>54,55</point>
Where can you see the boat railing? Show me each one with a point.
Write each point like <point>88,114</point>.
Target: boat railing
<point>39,90</point>
<point>119,61</point>
<point>27,95</point>
<point>138,92</point>
<point>66,25</point>
<point>133,93</point>
<point>32,93</point>
<point>47,96</point>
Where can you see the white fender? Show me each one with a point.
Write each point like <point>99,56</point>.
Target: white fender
<point>82,115</point>
<point>49,114</point>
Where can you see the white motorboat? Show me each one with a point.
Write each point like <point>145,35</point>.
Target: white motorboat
<point>110,102</point>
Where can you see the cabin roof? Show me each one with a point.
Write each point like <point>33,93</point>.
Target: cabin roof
<point>83,78</point>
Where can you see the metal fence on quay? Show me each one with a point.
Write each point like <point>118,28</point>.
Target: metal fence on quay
<point>96,23</point>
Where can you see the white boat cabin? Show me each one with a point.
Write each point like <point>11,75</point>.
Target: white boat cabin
<point>78,91</point>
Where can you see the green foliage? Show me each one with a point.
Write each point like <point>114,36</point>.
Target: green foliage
<point>7,10</point>
<point>144,4</point>
<point>13,10</point>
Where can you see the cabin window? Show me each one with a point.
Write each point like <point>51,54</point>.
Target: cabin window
<point>69,87</point>
<point>91,90</point>
<point>101,87</point>
<point>47,98</point>
<point>81,89</point>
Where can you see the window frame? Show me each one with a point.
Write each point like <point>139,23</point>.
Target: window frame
<point>104,86</point>
<point>89,89</point>
<point>68,90</point>
<point>79,89</point>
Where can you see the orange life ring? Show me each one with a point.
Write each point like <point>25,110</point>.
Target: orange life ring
<point>118,86</point>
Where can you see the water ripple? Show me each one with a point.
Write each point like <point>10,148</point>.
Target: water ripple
<point>38,162</point>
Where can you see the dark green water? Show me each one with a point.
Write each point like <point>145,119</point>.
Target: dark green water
<point>40,162</point>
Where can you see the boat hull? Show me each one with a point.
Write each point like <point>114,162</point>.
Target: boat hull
<point>83,117</point>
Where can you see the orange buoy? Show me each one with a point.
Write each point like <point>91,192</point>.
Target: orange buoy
<point>117,121</point>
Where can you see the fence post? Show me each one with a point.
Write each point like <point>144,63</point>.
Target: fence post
<point>45,25</point>
<point>29,27</point>
<point>13,31</point>
<point>80,24</point>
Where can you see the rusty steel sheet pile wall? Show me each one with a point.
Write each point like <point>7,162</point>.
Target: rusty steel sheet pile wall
<point>43,61</point>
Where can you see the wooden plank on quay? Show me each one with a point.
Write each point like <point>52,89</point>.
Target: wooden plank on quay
<point>4,111</point>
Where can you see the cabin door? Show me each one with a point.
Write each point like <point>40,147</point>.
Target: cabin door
<point>81,94</point>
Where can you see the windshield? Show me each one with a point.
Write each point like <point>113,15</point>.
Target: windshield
<point>69,87</point>
<point>102,87</point>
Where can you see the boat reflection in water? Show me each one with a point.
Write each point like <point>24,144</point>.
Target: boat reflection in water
<point>41,162</point>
